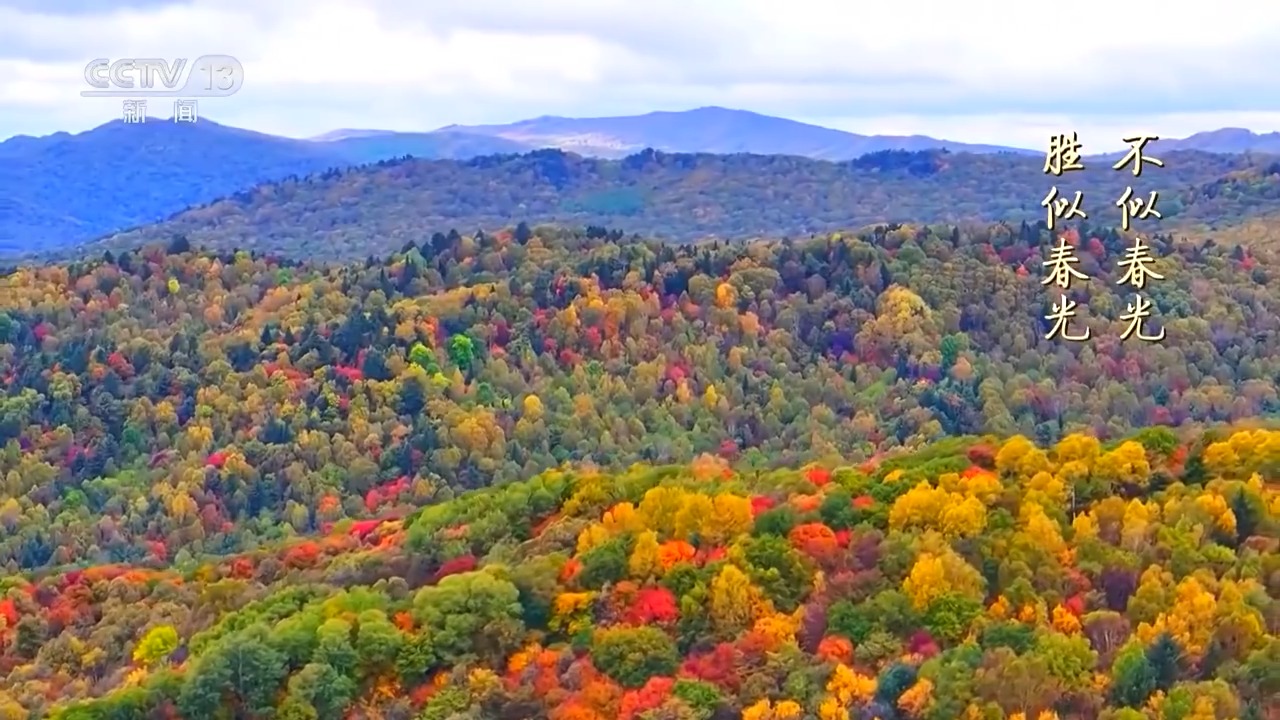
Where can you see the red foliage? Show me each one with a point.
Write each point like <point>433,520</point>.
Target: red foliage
<point>760,503</point>
<point>120,364</point>
<point>570,570</point>
<point>653,605</point>
<point>920,641</point>
<point>42,331</point>
<point>386,492</point>
<point>63,613</point>
<point>864,502</point>
<point>421,694</point>
<point>466,563</point>
<point>361,528</point>
<point>216,459</point>
<point>718,667</point>
<point>676,373</point>
<point>844,537</point>
<point>755,647</point>
<point>711,555</point>
<point>818,476</point>
<point>302,555</point>
<point>836,648</point>
<point>729,450</point>
<point>1075,605</point>
<point>9,612</point>
<point>352,374</point>
<point>653,694</point>
<point>814,539</point>
<point>984,456</point>
<point>242,567</point>
<point>158,549</point>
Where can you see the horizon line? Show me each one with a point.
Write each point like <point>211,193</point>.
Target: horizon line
<point>319,138</point>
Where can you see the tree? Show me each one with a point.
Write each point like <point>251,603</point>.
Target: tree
<point>1133,679</point>
<point>645,562</point>
<point>242,672</point>
<point>734,601</point>
<point>159,642</point>
<point>632,656</point>
<point>475,613</point>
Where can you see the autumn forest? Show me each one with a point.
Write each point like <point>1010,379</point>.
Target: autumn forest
<point>573,473</point>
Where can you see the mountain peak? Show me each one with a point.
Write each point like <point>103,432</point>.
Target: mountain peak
<point>1227,140</point>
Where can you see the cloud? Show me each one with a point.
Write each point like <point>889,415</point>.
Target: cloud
<point>957,68</point>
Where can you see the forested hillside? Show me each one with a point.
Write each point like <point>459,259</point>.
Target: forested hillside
<point>971,580</point>
<point>160,402</point>
<point>213,462</point>
<point>377,209</point>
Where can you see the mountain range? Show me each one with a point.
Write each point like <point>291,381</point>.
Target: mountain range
<point>377,209</point>
<point>64,189</point>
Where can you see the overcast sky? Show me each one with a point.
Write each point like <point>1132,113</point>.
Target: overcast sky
<point>1008,72</point>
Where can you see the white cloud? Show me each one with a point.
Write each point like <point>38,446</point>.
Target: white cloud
<point>1000,71</point>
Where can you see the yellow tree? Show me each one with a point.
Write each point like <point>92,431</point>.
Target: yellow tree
<point>938,570</point>
<point>156,645</point>
<point>1125,465</point>
<point>733,600</point>
<point>1190,621</point>
<point>730,516</point>
<point>644,563</point>
<point>848,686</point>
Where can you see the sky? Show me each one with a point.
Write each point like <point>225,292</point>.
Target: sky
<point>1006,72</point>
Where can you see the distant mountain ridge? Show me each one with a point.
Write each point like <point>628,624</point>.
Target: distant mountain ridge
<point>374,210</point>
<point>708,130</point>
<point>63,189</point>
<point>1227,141</point>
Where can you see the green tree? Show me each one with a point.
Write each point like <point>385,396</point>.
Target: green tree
<point>633,655</point>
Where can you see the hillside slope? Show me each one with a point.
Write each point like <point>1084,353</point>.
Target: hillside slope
<point>65,189</point>
<point>242,486</point>
<point>952,583</point>
<point>476,360</point>
<point>375,210</point>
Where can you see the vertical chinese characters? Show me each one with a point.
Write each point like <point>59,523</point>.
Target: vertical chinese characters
<point>1060,270</point>
<point>1063,157</point>
<point>1136,265</point>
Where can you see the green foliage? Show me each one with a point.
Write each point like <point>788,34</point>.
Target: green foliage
<point>633,655</point>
